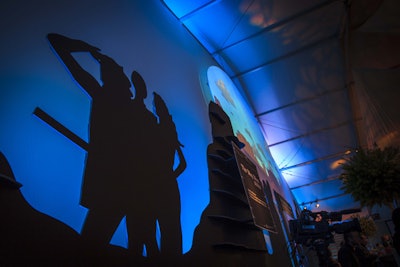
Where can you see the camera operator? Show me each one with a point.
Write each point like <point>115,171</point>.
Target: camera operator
<point>315,230</point>
<point>318,217</point>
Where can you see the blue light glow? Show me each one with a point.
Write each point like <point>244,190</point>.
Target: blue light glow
<point>268,243</point>
<point>50,166</point>
<point>181,8</point>
<point>225,93</point>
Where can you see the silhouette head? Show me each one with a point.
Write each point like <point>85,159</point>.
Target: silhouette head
<point>352,238</point>
<point>160,106</point>
<point>140,85</point>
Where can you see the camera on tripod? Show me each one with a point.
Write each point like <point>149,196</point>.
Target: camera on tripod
<point>312,226</point>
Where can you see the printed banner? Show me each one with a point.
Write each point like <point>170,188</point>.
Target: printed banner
<point>254,189</point>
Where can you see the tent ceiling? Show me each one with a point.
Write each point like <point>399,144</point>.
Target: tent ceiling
<point>290,59</point>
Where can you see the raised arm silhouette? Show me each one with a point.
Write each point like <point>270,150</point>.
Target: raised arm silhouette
<point>117,180</point>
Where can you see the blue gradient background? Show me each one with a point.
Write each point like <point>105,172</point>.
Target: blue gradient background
<point>49,166</point>
<point>139,35</point>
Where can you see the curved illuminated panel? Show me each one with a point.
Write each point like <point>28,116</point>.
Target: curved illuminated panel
<point>224,92</point>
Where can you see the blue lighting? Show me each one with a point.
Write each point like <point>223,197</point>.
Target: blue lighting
<point>225,93</point>
<point>50,166</point>
<point>181,8</point>
<point>268,243</point>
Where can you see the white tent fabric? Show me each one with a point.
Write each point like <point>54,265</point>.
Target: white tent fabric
<point>321,77</point>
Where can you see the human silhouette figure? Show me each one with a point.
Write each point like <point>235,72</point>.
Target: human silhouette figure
<point>141,226</point>
<point>169,209</point>
<point>117,177</point>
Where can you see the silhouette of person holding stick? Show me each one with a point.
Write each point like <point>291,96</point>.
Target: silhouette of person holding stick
<point>117,161</point>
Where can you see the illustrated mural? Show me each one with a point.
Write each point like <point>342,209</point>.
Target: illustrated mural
<point>104,167</point>
<point>226,233</point>
<point>133,161</point>
<point>224,92</point>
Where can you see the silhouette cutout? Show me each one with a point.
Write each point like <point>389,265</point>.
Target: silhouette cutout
<point>32,238</point>
<point>28,236</point>
<point>226,235</point>
<point>141,147</point>
<point>130,158</point>
<point>106,181</point>
<point>168,210</point>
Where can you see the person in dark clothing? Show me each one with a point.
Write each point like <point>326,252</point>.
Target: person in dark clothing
<point>365,257</point>
<point>347,253</point>
<point>396,235</point>
<point>331,262</point>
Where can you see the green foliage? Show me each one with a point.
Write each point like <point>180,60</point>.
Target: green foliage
<point>367,224</point>
<point>372,176</point>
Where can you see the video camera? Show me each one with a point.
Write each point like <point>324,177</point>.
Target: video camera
<point>312,226</point>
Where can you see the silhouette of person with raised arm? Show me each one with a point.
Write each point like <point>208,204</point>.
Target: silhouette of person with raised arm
<point>118,159</point>
<point>169,209</point>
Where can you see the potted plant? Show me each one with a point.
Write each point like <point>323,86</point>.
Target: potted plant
<point>372,176</point>
<point>367,225</point>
